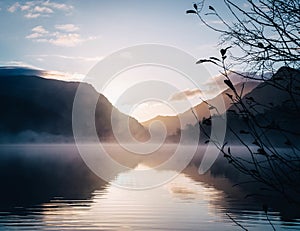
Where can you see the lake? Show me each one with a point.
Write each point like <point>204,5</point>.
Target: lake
<point>49,187</point>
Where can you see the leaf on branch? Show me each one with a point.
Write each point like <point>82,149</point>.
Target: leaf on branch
<point>191,12</point>
<point>211,8</point>
<point>214,58</point>
<point>211,108</point>
<point>229,84</point>
<point>255,142</point>
<point>260,45</point>
<point>206,61</point>
<point>229,151</point>
<point>223,51</point>
<point>195,6</point>
<point>206,142</point>
<point>202,61</point>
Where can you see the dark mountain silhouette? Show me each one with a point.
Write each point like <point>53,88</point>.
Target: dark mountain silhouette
<point>274,92</point>
<point>34,108</point>
<point>275,105</point>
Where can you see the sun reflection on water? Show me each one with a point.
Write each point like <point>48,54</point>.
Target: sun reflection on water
<point>180,204</point>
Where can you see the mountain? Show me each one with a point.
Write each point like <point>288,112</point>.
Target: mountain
<point>270,113</point>
<point>172,123</point>
<point>275,108</point>
<point>36,109</point>
<point>282,88</point>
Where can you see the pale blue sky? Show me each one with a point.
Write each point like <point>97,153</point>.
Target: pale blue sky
<point>72,36</point>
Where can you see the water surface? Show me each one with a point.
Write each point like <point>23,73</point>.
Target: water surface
<point>51,194</point>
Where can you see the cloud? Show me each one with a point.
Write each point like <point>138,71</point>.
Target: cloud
<point>185,94</point>
<point>38,32</point>
<point>13,7</point>
<point>42,10</point>
<point>25,7</point>
<point>59,6</point>
<point>31,15</point>
<point>67,27</point>
<point>34,36</point>
<point>66,40</point>
<point>217,82</point>
<point>69,40</point>
<point>40,29</point>
<point>215,85</point>
<point>35,9</point>
<point>59,38</point>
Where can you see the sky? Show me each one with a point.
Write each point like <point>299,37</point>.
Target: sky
<point>72,36</point>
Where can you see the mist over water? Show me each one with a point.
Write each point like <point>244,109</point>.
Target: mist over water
<point>48,186</point>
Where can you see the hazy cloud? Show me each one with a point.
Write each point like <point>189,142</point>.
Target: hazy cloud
<point>216,85</point>
<point>66,40</point>
<point>38,32</point>
<point>34,36</point>
<point>64,37</point>
<point>67,27</point>
<point>185,94</point>
<point>59,6</point>
<point>35,9</point>
<point>40,9</point>
<point>25,7</point>
<point>31,15</point>
<point>13,7</point>
<point>40,29</point>
<point>217,82</point>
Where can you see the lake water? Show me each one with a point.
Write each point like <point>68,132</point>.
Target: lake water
<point>42,190</point>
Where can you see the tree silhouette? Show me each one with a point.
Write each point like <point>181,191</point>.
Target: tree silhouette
<point>266,32</point>
<point>266,36</point>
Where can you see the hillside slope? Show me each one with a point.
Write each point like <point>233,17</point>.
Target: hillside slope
<point>43,107</point>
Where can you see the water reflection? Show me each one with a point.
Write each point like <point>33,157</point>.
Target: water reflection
<point>50,188</point>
